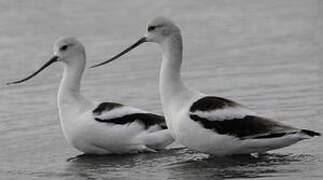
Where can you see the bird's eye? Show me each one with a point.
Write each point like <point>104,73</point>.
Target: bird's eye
<point>151,28</point>
<point>63,48</point>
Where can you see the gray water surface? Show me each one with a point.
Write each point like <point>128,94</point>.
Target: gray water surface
<point>266,54</point>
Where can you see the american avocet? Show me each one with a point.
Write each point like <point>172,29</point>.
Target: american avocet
<point>209,124</point>
<point>100,128</point>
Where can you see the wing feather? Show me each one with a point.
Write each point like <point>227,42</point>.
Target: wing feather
<point>115,113</point>
<point>227,117</point>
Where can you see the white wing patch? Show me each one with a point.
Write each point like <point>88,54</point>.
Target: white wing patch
<point>227,113</point>
<point>119,112</point>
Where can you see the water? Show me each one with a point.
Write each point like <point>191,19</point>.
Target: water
<point>263,53</point>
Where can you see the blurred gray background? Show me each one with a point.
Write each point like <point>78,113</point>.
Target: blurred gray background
<point>266,54</point>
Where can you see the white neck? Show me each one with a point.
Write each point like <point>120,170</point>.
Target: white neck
<point>171,85</point>
<point>69,95</point>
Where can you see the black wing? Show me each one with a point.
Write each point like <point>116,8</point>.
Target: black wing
<point>211,103</point>
<point>213,112</point>
<point>104,113</point>
<point>106,106</point>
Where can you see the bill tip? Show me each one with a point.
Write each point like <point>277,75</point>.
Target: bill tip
<point>91,67</point>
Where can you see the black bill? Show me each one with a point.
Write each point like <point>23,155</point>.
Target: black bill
<point>140,41</point>
<point>52,60</point>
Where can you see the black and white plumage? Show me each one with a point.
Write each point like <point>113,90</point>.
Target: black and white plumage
<point>102,128</point>
<point>226,117</point>
<point>118,114</point>
<point>225,127</point>
<point>204,123</point>
<point>126,129</point>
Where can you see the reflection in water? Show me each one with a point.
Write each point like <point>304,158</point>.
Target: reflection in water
<point>91,166</point>
<point>184,164</point>
<point>263,165</point>
<point>265,54</point>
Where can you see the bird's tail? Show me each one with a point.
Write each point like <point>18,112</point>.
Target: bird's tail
<point>310,132</point>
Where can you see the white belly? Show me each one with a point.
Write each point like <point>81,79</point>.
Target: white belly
<point>192,135</point>
<point>90,136</point>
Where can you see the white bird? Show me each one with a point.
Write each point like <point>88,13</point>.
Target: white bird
<point>209,124</point>
<point>100,128</point>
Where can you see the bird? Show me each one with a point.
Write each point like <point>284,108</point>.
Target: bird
<point>209,124</point>
<point>100,128</point>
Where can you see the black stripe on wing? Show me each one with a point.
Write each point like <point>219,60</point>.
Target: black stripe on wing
<point>209,103</point>
<point>147,119</point>
<point>106,106</point>
<point>249,127</point>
